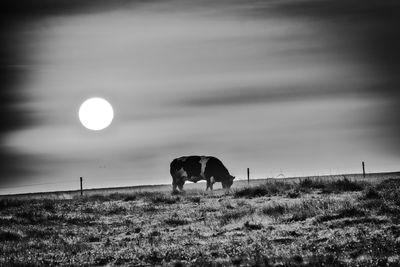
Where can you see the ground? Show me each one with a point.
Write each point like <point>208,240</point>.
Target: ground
<point>329,223</point>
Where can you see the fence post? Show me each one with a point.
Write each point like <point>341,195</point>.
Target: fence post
<point>81,187</point>
<point>248,175</point>
<point>363,166</point>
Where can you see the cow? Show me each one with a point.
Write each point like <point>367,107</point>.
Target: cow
<point>196,168</point>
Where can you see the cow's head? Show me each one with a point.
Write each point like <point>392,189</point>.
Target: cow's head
<point>227,181</point>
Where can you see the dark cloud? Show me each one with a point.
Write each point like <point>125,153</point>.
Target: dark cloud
<point>12,116</point>
<point>39,8</point>
<point>367,31</point>
<point>15,167</point>
<point>371,29</point>
<point>251,95</point>
<point>15,18</point>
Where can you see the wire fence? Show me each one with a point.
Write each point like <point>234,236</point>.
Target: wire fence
<point>72,184</point>
<point>38,184</point>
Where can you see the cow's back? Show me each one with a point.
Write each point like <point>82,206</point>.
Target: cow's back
<point>190,164</point>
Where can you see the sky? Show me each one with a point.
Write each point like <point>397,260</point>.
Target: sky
<point>285,88</point>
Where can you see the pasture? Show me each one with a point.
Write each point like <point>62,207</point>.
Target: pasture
<point>309,221</point>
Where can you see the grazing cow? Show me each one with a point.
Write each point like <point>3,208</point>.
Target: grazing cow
<point>196,168</point>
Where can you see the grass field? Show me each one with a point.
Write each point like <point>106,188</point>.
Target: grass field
<point>330,222</point>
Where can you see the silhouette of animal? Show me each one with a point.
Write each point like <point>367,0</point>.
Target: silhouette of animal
<point>196,168</point>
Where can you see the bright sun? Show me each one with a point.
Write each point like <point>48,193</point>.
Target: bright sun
<point>96,113</point>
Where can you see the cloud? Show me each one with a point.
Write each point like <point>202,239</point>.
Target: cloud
<point>15,167</point>
<point>371,31</point>
<point>248,96</point>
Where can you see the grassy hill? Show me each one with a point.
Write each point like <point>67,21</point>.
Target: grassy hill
<point>310,222</point>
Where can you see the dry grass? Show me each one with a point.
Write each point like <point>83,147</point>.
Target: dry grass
<point>275,224</point>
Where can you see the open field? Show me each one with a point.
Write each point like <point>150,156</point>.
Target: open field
<point>330,222</point>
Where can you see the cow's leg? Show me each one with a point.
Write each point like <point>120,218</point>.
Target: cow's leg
<point>212,181</point>
<point>174,183</point>
<point>180,184</point>
<point>208,184</point>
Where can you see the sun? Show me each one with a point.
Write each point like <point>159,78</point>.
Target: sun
<point>96,113</point>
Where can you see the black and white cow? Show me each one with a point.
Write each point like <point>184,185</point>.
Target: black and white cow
<point>196,168</point>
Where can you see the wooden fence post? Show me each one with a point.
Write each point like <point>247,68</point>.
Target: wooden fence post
<point>363,166</point>
<point>248,175</point>
<point>81,187</point>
